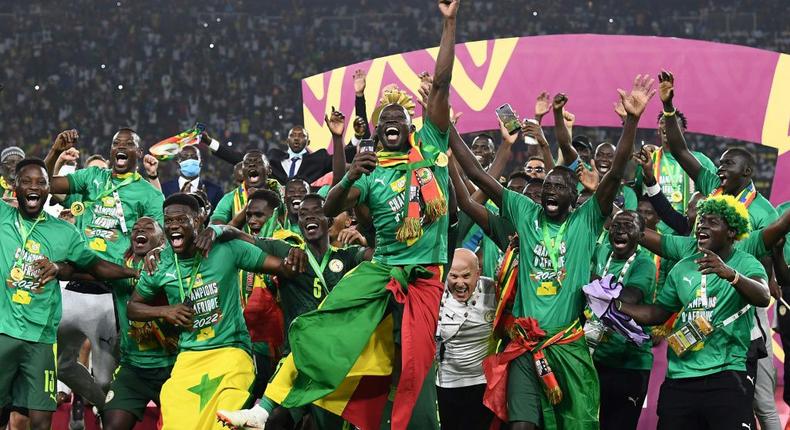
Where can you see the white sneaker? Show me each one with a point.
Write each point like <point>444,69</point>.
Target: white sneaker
<point>253,418</point>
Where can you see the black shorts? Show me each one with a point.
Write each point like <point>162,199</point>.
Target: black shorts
<point>622,396</point>
<point>719,401</point>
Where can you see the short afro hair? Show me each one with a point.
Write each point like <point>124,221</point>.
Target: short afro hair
<point>745,154</point>
<point>270,197</point>
<point>183,199</point>
<point>30,162</point>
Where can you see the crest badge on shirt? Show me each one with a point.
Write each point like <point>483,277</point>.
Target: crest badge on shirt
<point>335,265</point>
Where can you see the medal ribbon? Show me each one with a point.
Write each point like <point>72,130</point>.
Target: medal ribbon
<point>25,233</point>
<point>553,244</point>
<point>192,276</point>
<point>625,268</point>
<point>109,188</point>
<point>319,269</point>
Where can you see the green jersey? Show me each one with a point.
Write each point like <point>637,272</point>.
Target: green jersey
<point>139,344</point>
<point>31,311</point>
<point>475,239</point>
<point>235,201</point>
<point>213,294</point>
<point>781,209</point>
<point>501,230</point>
<point>629,198</point>
<point>726,347</point>
<point>551,275</point>
<point>674,182</point>
<point>384,192</point>
<point>679,247</point>
<point>306,291</point>
<point>761,212</point>
<point>614,350</point>
<point>111,206</point>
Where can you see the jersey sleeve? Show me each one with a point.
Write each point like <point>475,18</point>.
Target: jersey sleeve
<point>753,244</point>
<point>278,248</point>
<point>148,285</point>
<point>430,134</point>
<point>79,180</point>
<point>518,208</point>
<point>668,297</point>
<point>630,198</point>
<point>224,210</point>
<point>78,252</point>
<point>642,276</point>
<point>501,230</point>
<point>674,247</point>
<point>704,161</point>
<point>752,268</point>
<point>363,185</point>
<point>247,256</point>
<point>707,180</point>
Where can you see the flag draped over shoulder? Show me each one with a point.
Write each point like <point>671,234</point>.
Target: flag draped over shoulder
<point>344,350</point>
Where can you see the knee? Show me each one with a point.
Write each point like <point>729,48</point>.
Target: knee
<point>41,421</point>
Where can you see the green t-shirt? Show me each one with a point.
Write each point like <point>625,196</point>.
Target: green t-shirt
<point>383,191</point>
<point>105,229</point>
<point>629,196</point>
<point>305,292</point>
<point>501,230</point>
<point>679,247</point>
<point>28,310</point>
<point>215,296</point>
<point>147,354</point>
<point>675,184</point>
<point>491,254</point>
<point>725,348</point>
<point>781,209</point>
<point>614,350</point>
<point>761,212</point>
<point>539,295</point>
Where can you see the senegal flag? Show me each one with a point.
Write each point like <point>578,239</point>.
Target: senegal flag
<point>344,350</point>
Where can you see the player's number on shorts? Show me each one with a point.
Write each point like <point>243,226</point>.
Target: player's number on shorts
<point>316,288</point>
<point>49,381</point>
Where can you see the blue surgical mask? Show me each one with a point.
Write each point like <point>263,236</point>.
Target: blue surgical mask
<point>190,168</point>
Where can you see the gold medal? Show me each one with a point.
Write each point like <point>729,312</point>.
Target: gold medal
<point>108,202</point>
<point>677,197</point>
<point>17,274</point>
<point>77,208</point>
<point>442,160</point>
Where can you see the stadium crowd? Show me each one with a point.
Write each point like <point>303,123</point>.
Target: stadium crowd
<point>414,279</point>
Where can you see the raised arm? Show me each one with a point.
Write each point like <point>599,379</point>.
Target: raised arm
<point>503,155</point>
<point>674,219</point>
<point>474,209</point>
<point>360,82</point>
<point>634,103</point>
<point>535,130</point>
<point>64,141</point>
<point>222,152</point>
<point>774,232</point>
<point>343,196</point>
<point>567,154</point>
<point>337,124</point>
<point>439,102</point>
<point>675,140</point>
<point>469,164</point>
<point>651,240</point>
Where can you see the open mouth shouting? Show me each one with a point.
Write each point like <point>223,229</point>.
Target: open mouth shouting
<point>552,204</point>
<point>295,204</point>
<point>620,240</point>
<point>703,238</point>
<point>603,166</point>
<point>311,228</point>
<point>722,179</point>
<point>33,201</point>
<point>392,134</point>
<point>121,160</point>
<point>177,241</point>
<point>253,178</point>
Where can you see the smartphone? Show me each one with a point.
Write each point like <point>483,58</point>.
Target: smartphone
<point>367,145</point>
<point>509,118</point>
<point>530,140</point>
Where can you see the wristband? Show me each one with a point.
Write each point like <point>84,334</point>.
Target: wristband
<point>214,145</point>
<point>653,190</point>
<point>736,278</point>
<point>345,182</point>
<point>674,111</point>
<point>618,304</point>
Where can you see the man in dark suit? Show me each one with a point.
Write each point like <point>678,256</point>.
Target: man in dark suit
<point>297,161</point>
<point>189,181</point>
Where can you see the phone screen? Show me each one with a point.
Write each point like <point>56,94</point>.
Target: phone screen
<point>367,145</point>
<point>508,117</point>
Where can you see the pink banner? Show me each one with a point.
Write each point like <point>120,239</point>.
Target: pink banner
<point>724,90</point>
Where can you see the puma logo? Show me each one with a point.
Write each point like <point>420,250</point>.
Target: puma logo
<point>750,379</point>
<point>632,400</point>
<point>747,426</point>
<point>172,275</point>
<point>379,181</point>
<point>687,279</point>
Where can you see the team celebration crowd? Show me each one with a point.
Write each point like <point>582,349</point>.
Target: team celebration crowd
<point>407,280</point>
